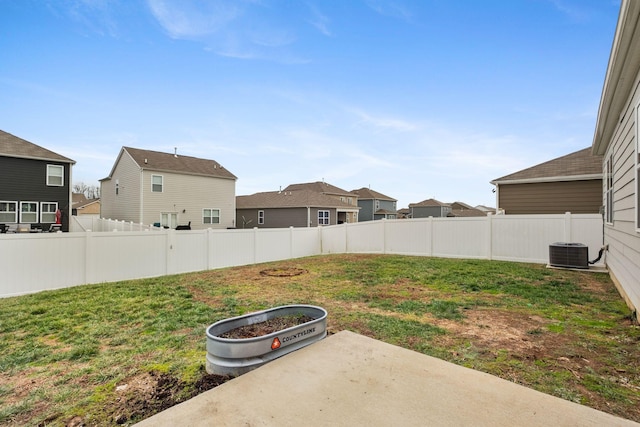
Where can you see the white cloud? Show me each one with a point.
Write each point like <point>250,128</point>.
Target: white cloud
<point>319,21</point>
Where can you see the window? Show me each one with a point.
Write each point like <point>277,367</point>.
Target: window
<point>48,212</point>
<point>55,175</point>
<point>323,217</point>
<point>211,216</point>
<point>29,212</point>
<point>169,219</point>
<point>260,217</point>
<point>377,204</point>
<point>156,183</point>
<point>608,190</point>
<point>8,212</point>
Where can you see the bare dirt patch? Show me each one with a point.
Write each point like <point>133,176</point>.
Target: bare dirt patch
<point>149,393</point>
<point>283,272</point>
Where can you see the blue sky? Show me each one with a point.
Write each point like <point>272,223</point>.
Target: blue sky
<point>415,99</point>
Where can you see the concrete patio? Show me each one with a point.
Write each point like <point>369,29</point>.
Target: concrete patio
<point>351,380</point>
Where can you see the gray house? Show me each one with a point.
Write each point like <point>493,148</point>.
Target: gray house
<point>429,207</point>
<point>348,208</point>
<point>374,205</point>
<point>617,138</point>
<point>289,208</point>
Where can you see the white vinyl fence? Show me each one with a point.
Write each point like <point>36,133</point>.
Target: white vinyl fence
<point>36,262</point>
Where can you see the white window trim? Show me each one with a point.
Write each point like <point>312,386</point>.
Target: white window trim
<point>261,217</point>
<point>321,219</point>
<point>49,175</point>
<point>15,212</point>
<point>42,212</point>
<point>22,221</point>
<point>161,184</point>
<point>211,217</point>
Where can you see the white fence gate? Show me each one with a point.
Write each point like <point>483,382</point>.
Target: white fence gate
<point>36,262</point>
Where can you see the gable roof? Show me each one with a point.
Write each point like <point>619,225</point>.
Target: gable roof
<point>166,162</point>
<point>320,187</point>
<point>623,67</point>
<point>12,146</point>
<point>428,202</point>
<point>290,199</point>
<point>367,194</point>
<point>580,165</point>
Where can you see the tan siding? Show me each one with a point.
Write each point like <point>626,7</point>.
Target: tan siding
<point>551,197</point>
<point>187,196</point>
<point>124,206</point>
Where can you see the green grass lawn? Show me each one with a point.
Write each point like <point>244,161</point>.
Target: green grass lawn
<point>116,353</point>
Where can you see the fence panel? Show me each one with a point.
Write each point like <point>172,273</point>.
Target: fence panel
<point>187,251</point>
<point>229,248</point>
<point>125,255</point>
<point>35,262</point>
<point>272,244</point>
<point>409,237</point>
<point>365,237</point>
<point>461,237</point>
<point>333,239</point>
<point>305,242</point>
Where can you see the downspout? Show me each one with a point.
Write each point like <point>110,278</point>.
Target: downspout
<point>308,216</point>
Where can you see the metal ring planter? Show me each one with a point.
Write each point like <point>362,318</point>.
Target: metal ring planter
<point>227,356</point>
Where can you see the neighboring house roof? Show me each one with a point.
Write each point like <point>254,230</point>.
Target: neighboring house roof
<point>427,203</point>
<point>82,202</point>
<point>580,165</point>
<point>466,212</point>
<point>12,146</point>
<point>460,206</point>
<point>385,212</point>
<point>319,187</point>
<point>623,67</point>
<point>367,194</point>
<point>485,208</point>
<point>177,163</point>
<point>289,199</point>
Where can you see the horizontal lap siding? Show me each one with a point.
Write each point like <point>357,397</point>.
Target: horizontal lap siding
<point>551,197</point>
<point>623,257</point>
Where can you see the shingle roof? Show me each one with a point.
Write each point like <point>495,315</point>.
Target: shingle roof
<point>466,213</point>
<point>12,146</point>
<point>365,193</point>
<point>289,199</point>
<point>319,187</point>
<point>166,162</point>
<point>428,202</point>
<point>580,163</point>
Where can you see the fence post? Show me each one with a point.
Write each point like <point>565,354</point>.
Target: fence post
<point>255,244</point>
<point>88,262</point>
<point>430,253</point>
<point>490,236</point>
<point>567,227</point>
<point>290,242</point>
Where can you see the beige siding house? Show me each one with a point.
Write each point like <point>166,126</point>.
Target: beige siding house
<point>571,183</point>
<point>617,138</point>
<point>151,187</point>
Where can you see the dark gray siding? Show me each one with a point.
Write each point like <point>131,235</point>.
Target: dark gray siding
<point>427,211</point>
<point>281,217</point>
<point>551,197</point>
<point>26,180</point>
<point>366,210</point>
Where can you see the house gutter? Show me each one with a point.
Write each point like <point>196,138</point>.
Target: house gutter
<point>624,63</point>
<point>586,177</point>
